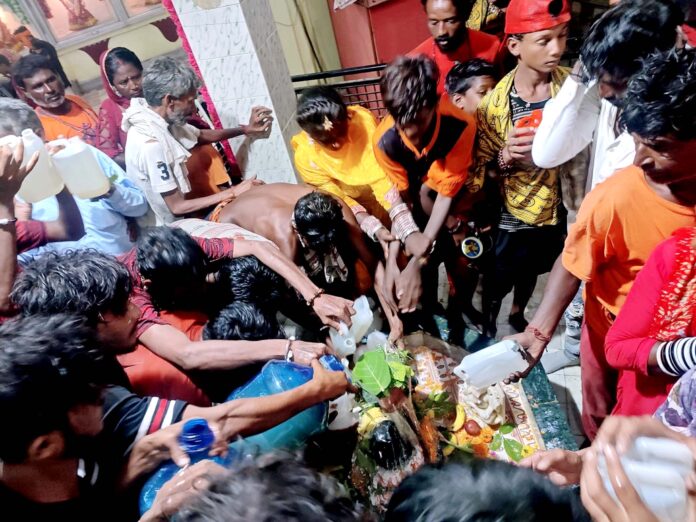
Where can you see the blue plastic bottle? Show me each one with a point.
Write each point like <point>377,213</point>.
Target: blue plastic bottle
<point>195,439</point>
<point>277,377</point>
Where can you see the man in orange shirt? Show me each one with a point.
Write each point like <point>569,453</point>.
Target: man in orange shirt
<point>622,220</point>
<point>424,143</point>
<point>452,42</point>
<point>61,115</point>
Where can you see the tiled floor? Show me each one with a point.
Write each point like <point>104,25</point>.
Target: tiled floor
<point>566,382</point>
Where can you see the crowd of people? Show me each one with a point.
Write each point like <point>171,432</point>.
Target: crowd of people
<point>126,314</point>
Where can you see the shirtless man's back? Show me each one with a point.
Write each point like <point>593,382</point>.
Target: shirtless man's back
<point>267,211</point>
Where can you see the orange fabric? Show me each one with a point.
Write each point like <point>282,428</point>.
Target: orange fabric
<point>478,45</point>
<point>205,172</point>
<point>80,121</point>
<point>446,176</point>
<point>152,376</point>
<point>618,225</point>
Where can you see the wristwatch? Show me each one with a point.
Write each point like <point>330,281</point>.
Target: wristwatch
<point>6,221</point>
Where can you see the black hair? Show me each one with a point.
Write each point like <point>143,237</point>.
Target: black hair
<point>661,98</point>
<point>485,491</point>
<point>318,103</point>
<point>27,66</point>
<point>241,321</point>
<point>626,33</point>
<point>460,77</point>
<point>269,488</point>
<point>463,7</point>
<point>20,29</point>
<point>248,280</point>
<point>84,282</point>
<point>409,85</point>
<point>48,364</point>
<point>115,57</point>
<point>4,60</point>
<point>318,218</point>
<point>171,259</point>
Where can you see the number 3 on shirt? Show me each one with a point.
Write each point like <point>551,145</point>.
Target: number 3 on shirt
<point>162,166</point>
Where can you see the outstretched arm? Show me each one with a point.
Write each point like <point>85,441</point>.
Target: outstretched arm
<point>259,125</point>
<point>560,290</point>
<point>174,346</point>
<point>330,309</point>
<point>249,416</point>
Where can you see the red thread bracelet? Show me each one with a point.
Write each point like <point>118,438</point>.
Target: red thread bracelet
<point>538,334</point>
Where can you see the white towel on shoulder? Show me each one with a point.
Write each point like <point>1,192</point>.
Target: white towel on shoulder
<point>176,140</point>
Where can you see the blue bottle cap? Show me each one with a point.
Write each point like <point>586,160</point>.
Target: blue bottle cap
<point>196,436</point>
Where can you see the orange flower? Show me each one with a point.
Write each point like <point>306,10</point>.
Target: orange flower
<point>481,450</point>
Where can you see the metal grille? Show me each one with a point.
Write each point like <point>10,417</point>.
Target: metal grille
<point>364,90</point>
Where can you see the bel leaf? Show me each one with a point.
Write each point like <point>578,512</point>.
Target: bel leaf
<point>497,442</point>
<point>506,429</point>
<point>399,371</point>
<point>372,372</point>
<point>513,449</point>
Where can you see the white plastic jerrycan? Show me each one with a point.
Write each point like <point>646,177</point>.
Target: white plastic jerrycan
<point>43,181</point>
<point>657,469</point>
<point>80,169</point>
<point>345,340</point>
<point>491,365</point>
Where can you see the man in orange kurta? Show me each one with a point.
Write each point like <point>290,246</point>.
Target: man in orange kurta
<point>61,115</point>
<point>622,220</point>
<point>451,41</point>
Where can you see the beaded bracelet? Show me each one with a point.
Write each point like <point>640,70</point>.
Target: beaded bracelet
<point>319,293</point>
<point>504,167</point>
<point>538,334</point>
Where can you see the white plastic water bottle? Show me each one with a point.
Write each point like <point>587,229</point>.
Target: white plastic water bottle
<point>657,469</point>
<point>346,414</point>
<point>43,181</point>
<point>491,365</point>
<point>80,169</point>
<point>346,339</point>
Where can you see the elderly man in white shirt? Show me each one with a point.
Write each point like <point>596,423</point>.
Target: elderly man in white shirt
<point>586,111</point>
<point>159,140</point>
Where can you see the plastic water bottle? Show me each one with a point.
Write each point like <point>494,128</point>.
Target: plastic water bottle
<point>375,340</point>
<point>195,439</point>
<point>43,181</point>
<point>277,377</point>
<point>342,340</point>
<point>346,339</point>
<point>346,410</point>
<point>80,169</point>
<point>491,365</point>
<point>657,469</point>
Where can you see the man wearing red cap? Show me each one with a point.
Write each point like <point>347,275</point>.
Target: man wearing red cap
<point>532,225</point>
<point>452,42</point>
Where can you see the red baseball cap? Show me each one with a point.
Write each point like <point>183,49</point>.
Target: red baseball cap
<point>530,16</point>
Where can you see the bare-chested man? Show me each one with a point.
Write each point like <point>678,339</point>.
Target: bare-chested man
<point>318,232</point>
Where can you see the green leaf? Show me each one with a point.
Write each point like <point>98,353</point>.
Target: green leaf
<point>513,449</point>
<point>399,370</point>
<point>372,373</point>
<point>497,442</point>
<point>506,429</point>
